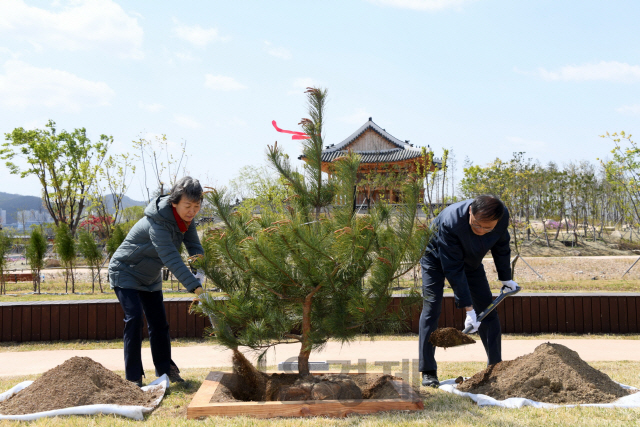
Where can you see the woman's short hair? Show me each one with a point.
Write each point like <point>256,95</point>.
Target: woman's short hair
<point>188,187</point>
<point>487,207</point>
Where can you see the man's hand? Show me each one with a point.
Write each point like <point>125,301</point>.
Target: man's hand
<point>472,321</point>
<point>198,290</point>
<point>509,285</point>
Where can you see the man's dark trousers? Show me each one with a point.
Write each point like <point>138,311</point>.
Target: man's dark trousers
<point>432,290</point>
<point>134,304</point>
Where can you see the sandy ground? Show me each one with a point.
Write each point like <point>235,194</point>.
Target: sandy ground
<point>588,261</point>
<point>550,268</point>
<point>570,268</point>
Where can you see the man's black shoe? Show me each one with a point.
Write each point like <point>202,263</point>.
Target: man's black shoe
<point>430,379</point>
<point>137,382</point>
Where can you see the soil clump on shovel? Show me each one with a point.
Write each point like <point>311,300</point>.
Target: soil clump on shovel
<point>76,382</point>
<point>553,373</point>
<point>449,337</point>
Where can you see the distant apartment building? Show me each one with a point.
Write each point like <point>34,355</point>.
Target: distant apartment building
<point>30,217</point>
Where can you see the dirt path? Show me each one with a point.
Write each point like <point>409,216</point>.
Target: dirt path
<point>571,268</point>
<point>33,362</point>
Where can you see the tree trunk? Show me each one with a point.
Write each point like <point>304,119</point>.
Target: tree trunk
<point>515,237</point>
<point>305,348</point>
<point>559,225</point>
<point>528,224</point>
<point>546,236</point>
<point>100,281</point>
<point>93,282</point>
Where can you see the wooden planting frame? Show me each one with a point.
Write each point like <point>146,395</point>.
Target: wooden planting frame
<point>200,405</point>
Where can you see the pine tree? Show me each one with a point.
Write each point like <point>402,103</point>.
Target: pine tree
<point>92,254</point>
<point>35,253</point>
<point>5,248</point>
<point>115,240</point>
<point>65,247</point>
<point>311,269</point>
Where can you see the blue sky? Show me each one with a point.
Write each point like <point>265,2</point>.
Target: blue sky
<point>484,78</point>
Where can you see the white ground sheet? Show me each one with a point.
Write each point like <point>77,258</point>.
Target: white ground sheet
<point>631,401</point>
<point>135,412</point>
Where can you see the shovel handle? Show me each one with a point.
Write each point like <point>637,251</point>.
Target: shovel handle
<point>493,306</point>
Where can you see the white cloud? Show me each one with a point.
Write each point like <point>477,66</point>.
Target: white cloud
<point>196,35</point>
<point>358,117</point>
<point>23,85</point>
<point>605,71</point>
<point>35,123</point>
<point>231,122</point>
<point>186,56</point>
<point>186,121</point>
<point>304,82</point>
<point>633,110</point>
<point>152,108</point>
<point>430,5</point>
<point>277,51</point>
<point>236,122</point>
<point>222,83</point>
<point>80,25</point>
<point>6,50</point>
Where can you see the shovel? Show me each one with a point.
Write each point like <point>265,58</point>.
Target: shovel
<point>493,306</point>
<point>451,337</point>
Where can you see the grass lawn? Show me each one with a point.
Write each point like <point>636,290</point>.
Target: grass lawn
<point>184,342</point>
<point>441,409</point>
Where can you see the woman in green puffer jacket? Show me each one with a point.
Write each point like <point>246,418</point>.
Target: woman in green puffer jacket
<point>135,274</point>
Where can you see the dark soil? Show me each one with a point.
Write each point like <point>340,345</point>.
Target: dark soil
<point>251,383</point>
<point>553,373</point>
<point>78,381</point>
<point>291,387</point>
<point>449,337</point>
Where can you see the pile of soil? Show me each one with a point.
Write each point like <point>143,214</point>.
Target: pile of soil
<point>449,337</point>
<point>78,381</point>
<point>553,373</point>
<point>292,387</point>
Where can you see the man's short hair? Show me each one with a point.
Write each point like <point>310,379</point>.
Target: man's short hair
<point>487,207</point>
<point>188,187</point>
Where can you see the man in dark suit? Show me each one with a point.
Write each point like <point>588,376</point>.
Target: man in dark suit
<point>463,234</point>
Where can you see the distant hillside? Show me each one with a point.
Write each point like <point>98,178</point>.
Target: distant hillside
<point>126,202</point>
<point>13,203</point>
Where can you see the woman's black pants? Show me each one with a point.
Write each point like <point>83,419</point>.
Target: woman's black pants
<point>136,306</point>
